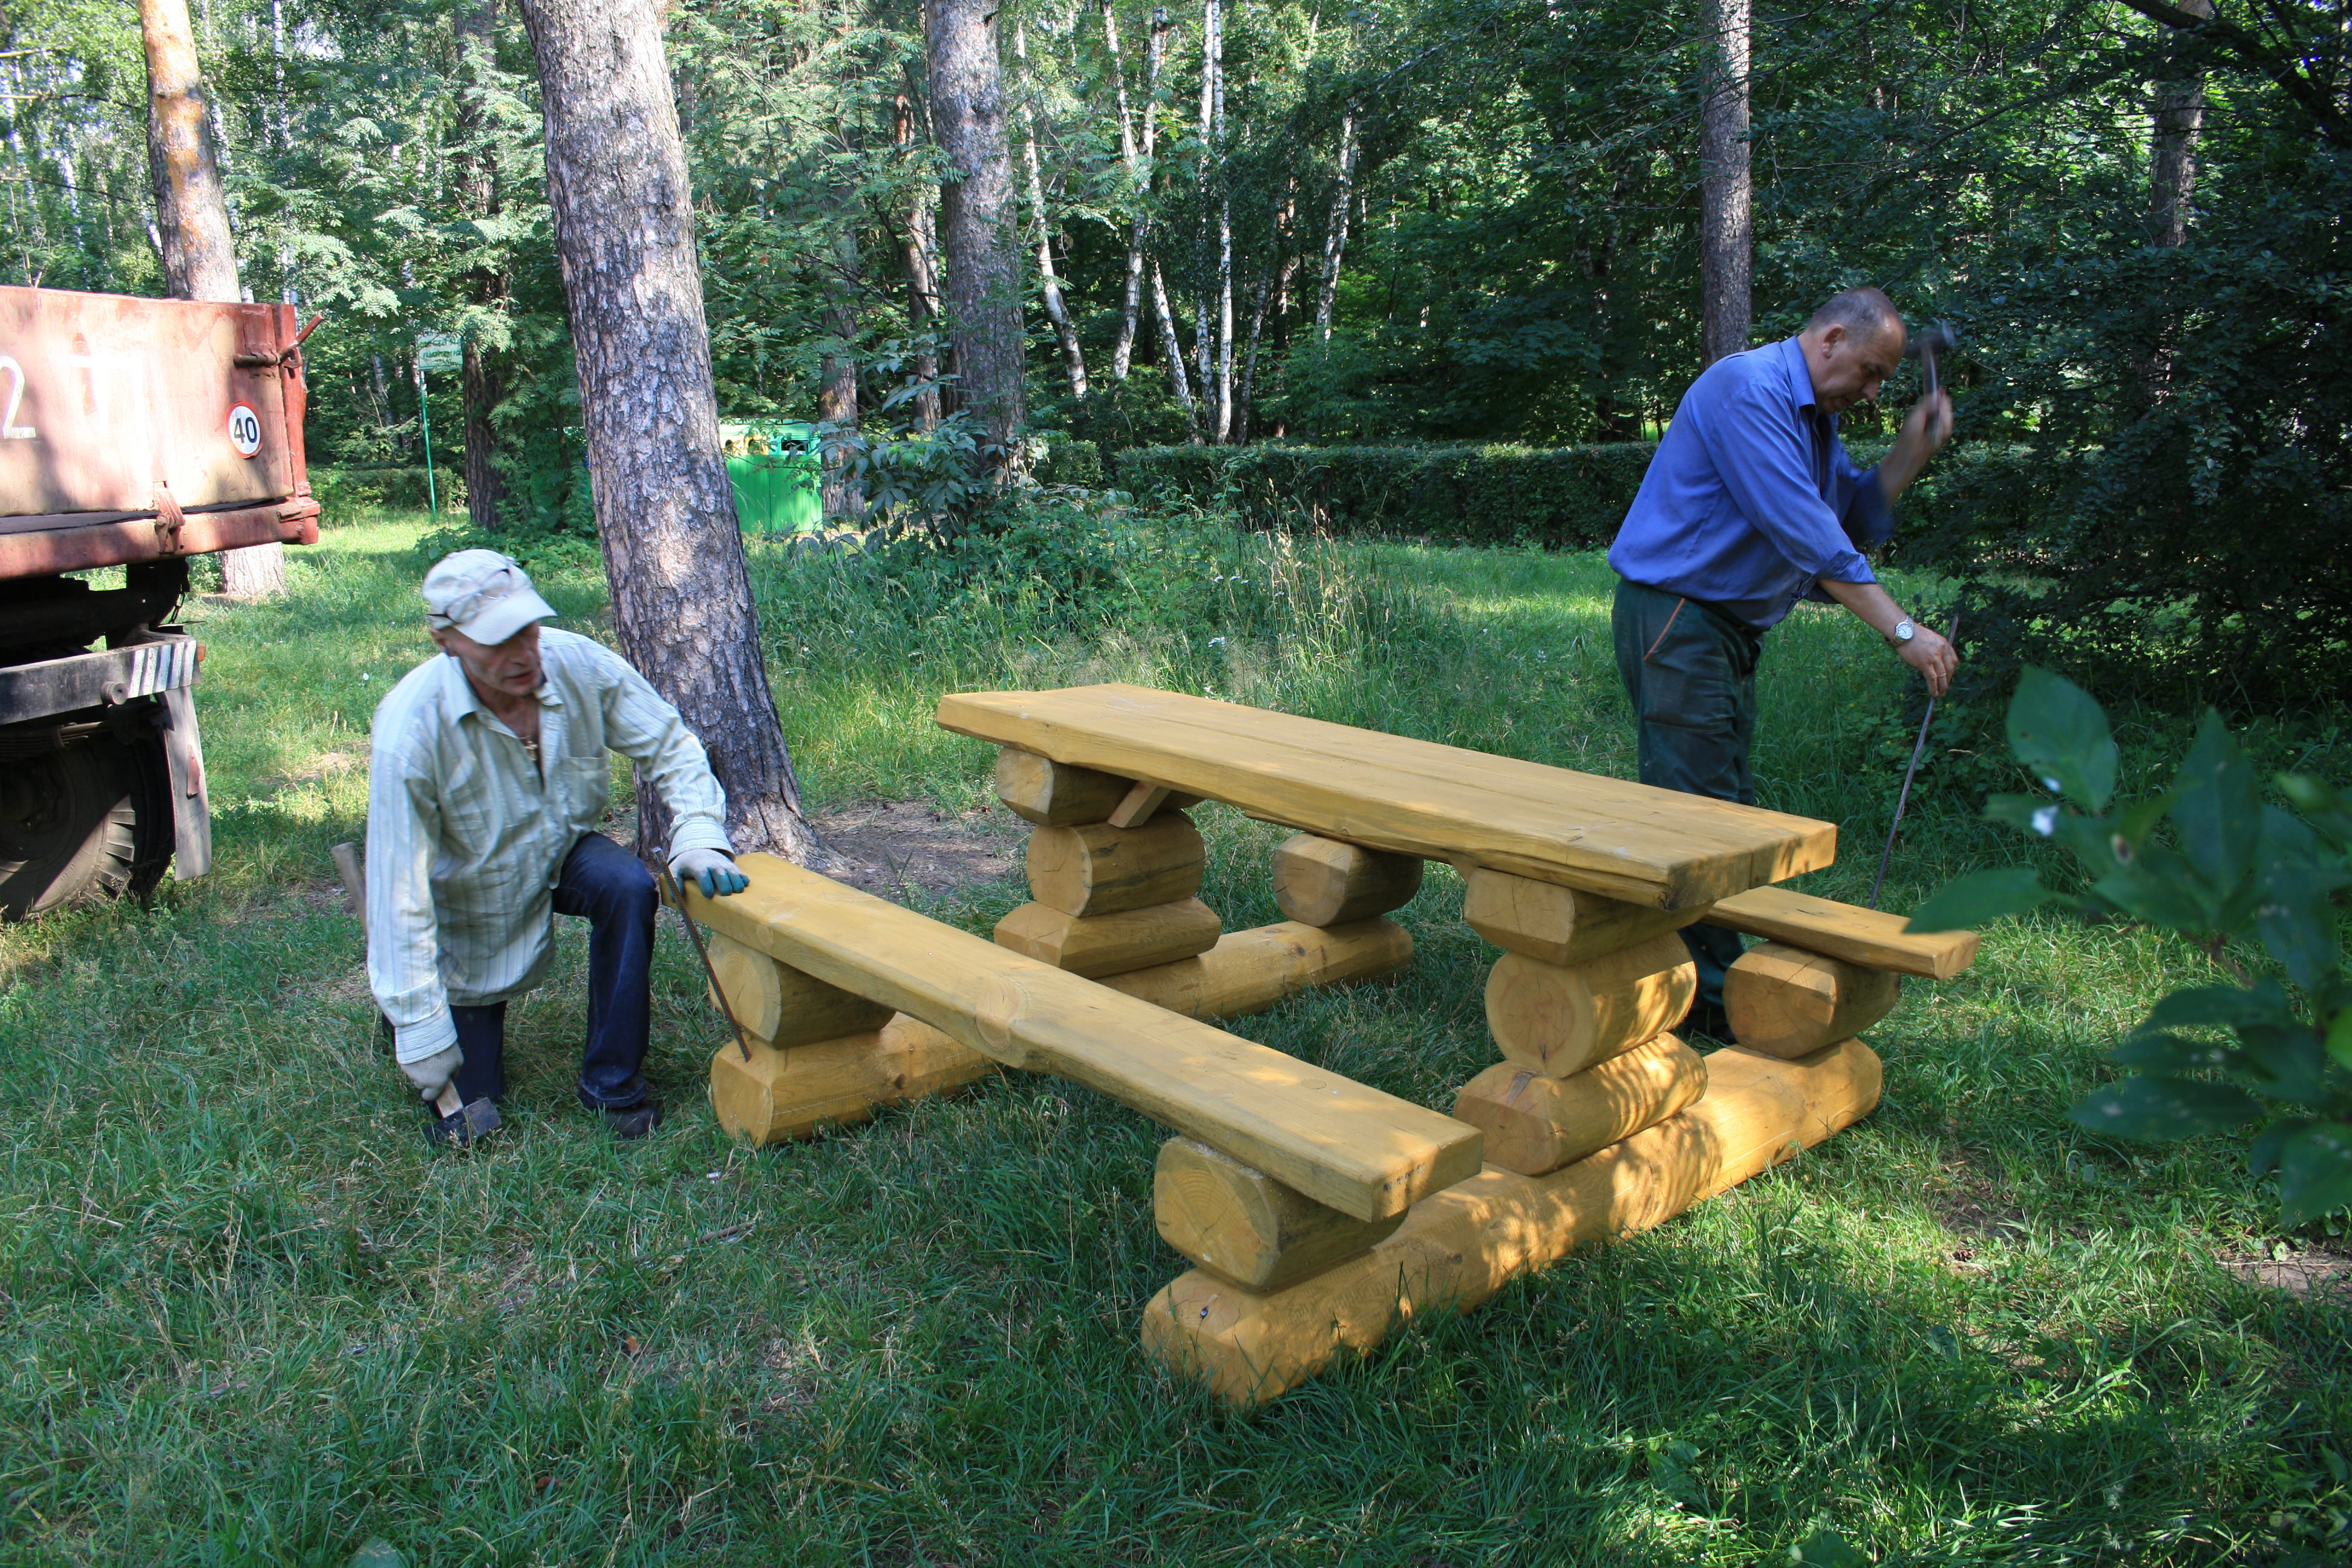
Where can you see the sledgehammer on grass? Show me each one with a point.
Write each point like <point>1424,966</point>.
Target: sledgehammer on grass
<point>461,1122</point>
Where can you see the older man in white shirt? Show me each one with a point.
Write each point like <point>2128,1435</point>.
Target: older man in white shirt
<point>489,773</point>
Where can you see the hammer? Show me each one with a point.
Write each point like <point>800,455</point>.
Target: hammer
<point>1935,338</point>
<point>461,1122</point>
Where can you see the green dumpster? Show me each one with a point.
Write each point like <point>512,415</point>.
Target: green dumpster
<point>778,477</point>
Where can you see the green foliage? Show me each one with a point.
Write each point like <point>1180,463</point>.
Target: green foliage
<point>2235,874</point>
<point>1564,497</point>
<point>341,490</point>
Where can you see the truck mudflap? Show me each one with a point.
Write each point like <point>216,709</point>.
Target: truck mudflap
<point>192,810</point>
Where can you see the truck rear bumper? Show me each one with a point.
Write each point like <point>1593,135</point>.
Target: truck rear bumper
<point>39,546</point>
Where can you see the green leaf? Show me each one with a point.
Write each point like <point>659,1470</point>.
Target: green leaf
<point>2328,813</point>
<point>2315,1172</point>
<point>1826,1549</point>
<point>2339,1038</point>
<point>2166,1053</point>
<point>2218,806</point>
<point>2058,730</point>
<point>1979,898</point>
<point>2262,1155</point>
<point>2286,1062</point>
<point>2159,1108</point>
<point>2221,1007</point>
<point>2156,888</point>
<point>2034,814</point>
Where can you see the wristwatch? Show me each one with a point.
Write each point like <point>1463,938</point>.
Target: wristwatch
<point>1903,632</point>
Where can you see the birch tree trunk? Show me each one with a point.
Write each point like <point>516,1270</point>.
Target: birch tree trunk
<point>1215,70</point>
<point>623,223</point>
<point>1074,359</point>
<point>1725,215</point>
<point>982,291</point>
<point>1139,180</point>
<point>192,219</point>
<point>919,251</point>
<point>1335,234</point>
<point>1171,347</point>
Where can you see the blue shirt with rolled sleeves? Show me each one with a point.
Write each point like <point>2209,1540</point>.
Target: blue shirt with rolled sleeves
<point>1751,498</point>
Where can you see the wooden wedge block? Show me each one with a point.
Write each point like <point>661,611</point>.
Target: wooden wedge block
<point>1110,944</point>
<point>1251,970</point>
<point>1872,938</point>
<point>1343,1143</point>
<point>1559,1020</point>
<point>1245,1226</point>
<point>1099,869</point>
<point>1323,882</point>
<point>1535,1124</point>
<point>1458,1247</point>
<point>784,1094</point>
<point>1055,794</point>
<point>1559,925</point>
<point>779,1005</point>
<point>1786,1002</point>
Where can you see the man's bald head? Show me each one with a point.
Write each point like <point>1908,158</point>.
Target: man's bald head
<point>1863,312</point>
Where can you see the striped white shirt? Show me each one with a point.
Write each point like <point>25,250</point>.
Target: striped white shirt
<point>466,838</point>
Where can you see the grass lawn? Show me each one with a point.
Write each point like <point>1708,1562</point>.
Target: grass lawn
<point>251,1318</point>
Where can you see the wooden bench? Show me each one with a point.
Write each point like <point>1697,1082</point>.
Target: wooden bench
<point>1364,1153</point>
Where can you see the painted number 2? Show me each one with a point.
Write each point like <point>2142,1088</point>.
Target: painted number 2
<point>245,429</point>
<point>10,428</point>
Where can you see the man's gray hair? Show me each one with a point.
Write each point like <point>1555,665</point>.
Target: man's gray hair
<point>1863,312</point>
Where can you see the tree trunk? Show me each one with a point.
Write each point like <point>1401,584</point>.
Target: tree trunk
<point>1139,176</point>
<point>1726,216</point>
<point>918,252</point>
<point>836,398</point>
<point>622,216</point>
<point>982,291</point>
<point>1335,236</point>
<point>1216,68</point>
<point>1074,359</point>
<point>2172,152</point>
<point>482,382</point>
<point>192,219</point>
<point>1171,346</point>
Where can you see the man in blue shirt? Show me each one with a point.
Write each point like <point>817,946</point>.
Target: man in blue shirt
<point>1752,504</point>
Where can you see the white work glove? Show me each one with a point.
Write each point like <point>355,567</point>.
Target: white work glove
<point>714,873</point>
<point>432,1075</point>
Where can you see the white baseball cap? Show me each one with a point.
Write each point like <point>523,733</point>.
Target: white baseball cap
<point>484,595</point>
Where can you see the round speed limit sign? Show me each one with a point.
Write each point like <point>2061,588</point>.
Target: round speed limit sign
<point>245,429</point>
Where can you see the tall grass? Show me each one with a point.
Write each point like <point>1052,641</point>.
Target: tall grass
<point>251,1319</point>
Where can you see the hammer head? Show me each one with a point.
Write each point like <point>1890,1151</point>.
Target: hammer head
<point>462,1126</point>
<point>1935,337</point>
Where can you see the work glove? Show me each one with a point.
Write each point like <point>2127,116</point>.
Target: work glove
<point>714,873</point>
<point>432,1075</point>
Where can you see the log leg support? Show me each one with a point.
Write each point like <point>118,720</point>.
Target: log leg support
<point>1460,1245</point>
<point>788,1094</point>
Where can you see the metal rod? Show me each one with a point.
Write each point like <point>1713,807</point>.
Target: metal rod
<point>678,902</point>
<point>424,419</point>
<point>1903,800</point>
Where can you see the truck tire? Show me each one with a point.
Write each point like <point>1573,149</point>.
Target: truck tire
<point>89,821</point>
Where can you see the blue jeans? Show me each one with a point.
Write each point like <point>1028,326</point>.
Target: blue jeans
<point>613,889</point>
<point>1690,670</point>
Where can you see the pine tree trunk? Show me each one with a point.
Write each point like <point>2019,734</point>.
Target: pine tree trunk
<point>192,219</point>
<point>482,385</point>
<point>482,381</point>
<point>1335,236</point>
<point>1726,214</point>
<point>1074,359</point>
<point>622,212</point>
<point>983,293</point>
<point>836,398</point>
<point>919,252</point>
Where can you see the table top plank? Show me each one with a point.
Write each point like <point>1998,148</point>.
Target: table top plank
<point>1608,835</point>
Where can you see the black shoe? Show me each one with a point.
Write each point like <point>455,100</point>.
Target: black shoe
<point>462,1128</point>
<point>1712,1022</point>
<point>633,1121</point>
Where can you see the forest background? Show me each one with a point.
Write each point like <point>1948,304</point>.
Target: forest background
<point>1303,224</point>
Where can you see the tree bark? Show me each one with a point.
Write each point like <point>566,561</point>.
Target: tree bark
<point>2180,113</point>
<point>1214,67</point>
<point>982,291</point>
<point>1725,211</point>
<point>918,252</point>
<point>622,216</point>
<point>482,381</point>
<point>1171,347</point>
<point>1138,177</point>
<point>836,398</point>
<point>1334,235</point>
<point>192,219</point>
<point>1074,359</point>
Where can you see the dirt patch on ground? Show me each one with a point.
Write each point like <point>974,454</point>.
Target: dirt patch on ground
<point>899,846</point>
<point>2315,1271</point>
<point>1969,1206</point>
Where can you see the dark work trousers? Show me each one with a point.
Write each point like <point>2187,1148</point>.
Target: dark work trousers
<point>613,889</point>
<point>1690,670</point>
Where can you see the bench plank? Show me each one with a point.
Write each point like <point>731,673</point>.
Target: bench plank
<point>1872,938</point>
<point>1620,840</point>
<point>1355,1149</point>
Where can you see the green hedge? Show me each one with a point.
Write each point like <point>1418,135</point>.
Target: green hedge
<point>402,489</point>
<point>1562,497</point>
